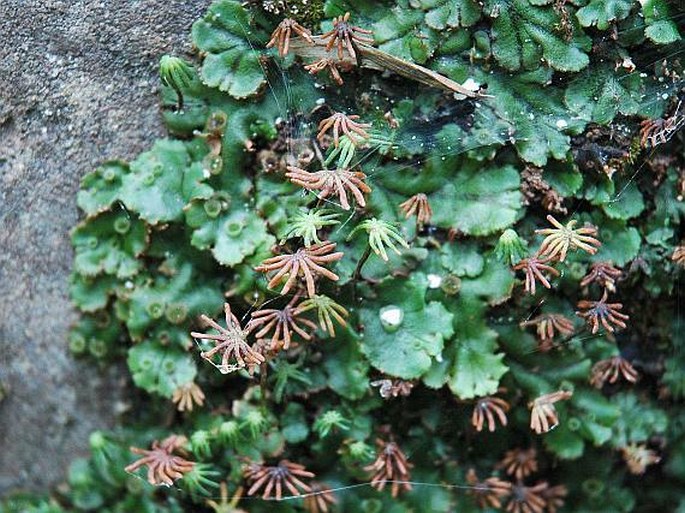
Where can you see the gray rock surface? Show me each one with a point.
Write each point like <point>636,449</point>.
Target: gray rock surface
<point>78,85</point>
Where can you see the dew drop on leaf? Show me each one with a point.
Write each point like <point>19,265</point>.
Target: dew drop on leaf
<point>434,281</point>
<point>391,318</point>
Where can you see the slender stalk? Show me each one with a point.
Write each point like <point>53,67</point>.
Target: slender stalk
<point>319,154</point>
<point>358,271</point>
<point>179,98</point>
<point>262,383</point>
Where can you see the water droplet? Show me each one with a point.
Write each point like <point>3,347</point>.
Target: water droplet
<point>471,84</point>
<point>391,317</point>
<point>434,281</point>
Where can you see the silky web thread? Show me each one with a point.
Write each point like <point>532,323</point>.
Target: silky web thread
<point>366,484</point>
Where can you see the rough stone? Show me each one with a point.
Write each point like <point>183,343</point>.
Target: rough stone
<point>78,86</point>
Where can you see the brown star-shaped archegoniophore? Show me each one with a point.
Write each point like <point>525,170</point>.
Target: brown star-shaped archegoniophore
<point>488,493</point>
<point>388,388</point>
<point>543,414</point>
<point>638,457</point>
<point>332,66</point>
<point>281,36</point>
<point>604,274</point>
<point>305,262</point>
<point>320,500</point>
<point>519,463</point>
<point>272,480</point>
<point>418,205</point>
<point>282,322</point>
<point>187,396</point>
<point>489,409</point>
<point>533,267</point>
<point>332,182</point>
<point>344,35</point>
<point>549,324</point>
<point>600,312</point>
<point>554,497</point>
<point>230,342</point>
<point>610,370</point>
<point>348,125</point>
<point>163,466</point>
<point>527,499</point>
<point>390,466</point>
